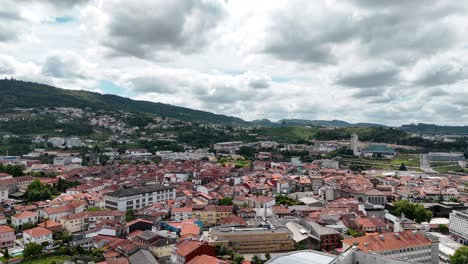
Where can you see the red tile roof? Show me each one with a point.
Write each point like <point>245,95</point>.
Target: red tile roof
<point>389,241</point>
<point>38,231</point>
<point>205,259</point>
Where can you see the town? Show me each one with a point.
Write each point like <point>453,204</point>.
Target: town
<point>234,202</point>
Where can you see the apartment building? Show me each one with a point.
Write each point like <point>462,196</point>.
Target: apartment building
<point>411,246</point>
<point>7,237</point>
<point>27,217</point>
<point>37,235</point>
<point>458,226</point>
<point>136,198</point>
<point>81,221</point>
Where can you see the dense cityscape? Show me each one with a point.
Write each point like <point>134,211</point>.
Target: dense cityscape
<point>233,132</point>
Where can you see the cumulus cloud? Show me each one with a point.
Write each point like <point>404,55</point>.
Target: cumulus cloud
<point>158,29</point>
<point>388,62</point>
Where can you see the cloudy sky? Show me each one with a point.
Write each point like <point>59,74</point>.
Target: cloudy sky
<point>392,62</point>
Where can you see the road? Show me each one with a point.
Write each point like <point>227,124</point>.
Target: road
<point>425,165</point>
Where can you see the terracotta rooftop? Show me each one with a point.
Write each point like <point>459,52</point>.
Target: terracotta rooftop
<point>205,259</point>
<point>389,241</point>
<point>38,231</point>
<point>25,214</point>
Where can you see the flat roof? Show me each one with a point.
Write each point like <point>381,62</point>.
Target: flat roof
<point>140,190</point>
<point>303,257</point>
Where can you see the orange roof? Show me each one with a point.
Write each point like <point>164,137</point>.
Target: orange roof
<point>205,259</point>
<point>389,241</point>
<point>49,223</point>
<point>25,214</point>
<point>181,210</point>
<point>6,229</point>
<point>188,228</point>
<point>186,247</point>
<point>38,231</point>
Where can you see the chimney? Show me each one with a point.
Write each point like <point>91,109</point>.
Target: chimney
<point>381,237</point>
<point>397,235</point>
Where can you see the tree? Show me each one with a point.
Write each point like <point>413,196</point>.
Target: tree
<point>31,250</point>
<point>267,256</point>
<point>460,256</point>
<point>413,211</point>
<point>443,228</point>
<point>238,259</point>
<point>130,215</point>
<point>6,254</point>
<point>37,191</point>
<point>402,167</point>
<point>226,201</point>
<point>247,152</point>
<point>256,260</point>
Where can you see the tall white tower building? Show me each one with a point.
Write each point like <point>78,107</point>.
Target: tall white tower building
<point>354,144</point>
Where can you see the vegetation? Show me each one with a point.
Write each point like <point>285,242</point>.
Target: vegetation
<point>354,233</point>
<point>402,167</point>
<point>37,191</point>
<point>15,93</point>
<point>226,201</point>
<point>460,256</point>
<point>32,250</point>
<point>48,260</point>
<point>297,134</point>
<point>443,229</point>
<point>13,170</point>
<point>412,211</point>
<point>130,215</point>
<point>285,200</point>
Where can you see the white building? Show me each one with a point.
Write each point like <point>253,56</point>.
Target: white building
<point>136,198</point>
<point>3,193</point>
<point>57,142</point>
<point>459,226</point>
<point>73,142</point>
<point>37,235</point>
<point>355,144</point>
<point>19,220</point>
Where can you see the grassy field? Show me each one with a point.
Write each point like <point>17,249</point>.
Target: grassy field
<point>410,160</point>
<point>407,159</point>
<point>48,260</point>
<point>446,168</point>
<point>289,134</point>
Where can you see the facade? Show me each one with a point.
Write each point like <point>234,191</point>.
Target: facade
<point>37,235</point>
<point>458,226</point>
<point>379,150</point>
<point>445,156</point>
<point>412,246</point>
<point>252,239</point>
<point>27,217</point>
<point>213,215</point>
<point>136,198</point>
<point>82,221</point>
<point>7,237</point>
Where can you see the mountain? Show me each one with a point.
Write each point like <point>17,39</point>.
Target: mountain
<point>320,123</point>
<point>435,129</point>
<point>14,93</point>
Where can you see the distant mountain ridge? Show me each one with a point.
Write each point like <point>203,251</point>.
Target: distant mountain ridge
<point>22,94</point>
<point>321,123</point>
<point>14,93</point>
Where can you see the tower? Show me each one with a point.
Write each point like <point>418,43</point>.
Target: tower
<point>354,144</point>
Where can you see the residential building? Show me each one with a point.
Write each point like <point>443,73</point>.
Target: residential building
<point>7,237</point>
<point>179,214</point>
<point>136,198</point>
<point>408,245</point>
<point>458,226</point>
<point>186,250</point>
<point>27,217</point>
<point>38,235</point>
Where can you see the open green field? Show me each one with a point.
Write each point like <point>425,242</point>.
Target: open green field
<point>411,162</point>
<point>48,260</point>
<point>407,159</point>
<point>446,168</point>
<point>289,134</point>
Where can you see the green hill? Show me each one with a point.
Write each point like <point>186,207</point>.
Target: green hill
<point>14,93</point>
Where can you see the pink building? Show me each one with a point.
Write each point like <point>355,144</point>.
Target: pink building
<point>7,237</point>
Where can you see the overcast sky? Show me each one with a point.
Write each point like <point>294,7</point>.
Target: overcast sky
<point>392,62</point>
